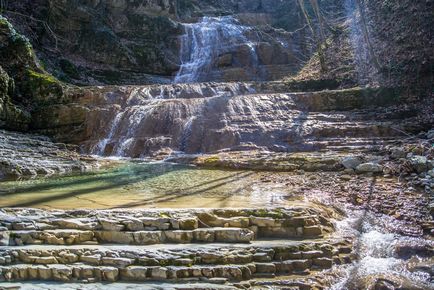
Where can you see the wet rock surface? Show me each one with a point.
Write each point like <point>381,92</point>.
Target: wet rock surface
<point>204,118</point>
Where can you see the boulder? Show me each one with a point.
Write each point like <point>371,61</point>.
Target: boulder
<point>212,258</point>
<point>419,163</point>
<point>232,272</point>
<point>351,162</point>
<point>262,221</point>
<point>158,223</point>
<point>66,257</point>
<point>284,266</point>
<point>224,60</point>
<point>312,231</point>
<point>44,273</point>
<point>369,167</point>
<point>398,152</point>
<point>45,260</point>
<point>83,271</point>
<point>261,257</point>
<point>301,265</point>
<point>322,262</point>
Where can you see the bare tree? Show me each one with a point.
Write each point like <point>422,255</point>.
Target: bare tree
<point>319,41</point>
<point>366,36</point>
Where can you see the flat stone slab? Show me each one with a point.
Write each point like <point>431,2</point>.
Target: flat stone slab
<point>145,227</point>
<point>116,286</point>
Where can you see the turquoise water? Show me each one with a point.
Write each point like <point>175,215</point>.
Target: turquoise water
<point>145,185</point>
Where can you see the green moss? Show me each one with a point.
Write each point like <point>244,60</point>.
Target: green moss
<point>42,78</point>
<point>275,213</point>
<point>211,160</point>
<point>163,215</point>
<point>164,262</point>
<point>42,87</point>
<point>3,21</point>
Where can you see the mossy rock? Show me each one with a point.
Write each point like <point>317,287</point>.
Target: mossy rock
<point>42,87</point>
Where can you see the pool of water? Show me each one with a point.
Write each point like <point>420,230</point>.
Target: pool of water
<point>146,185</point>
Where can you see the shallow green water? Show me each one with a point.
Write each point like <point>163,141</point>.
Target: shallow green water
<point>146,185</point>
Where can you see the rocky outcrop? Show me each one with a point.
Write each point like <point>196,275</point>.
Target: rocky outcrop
<point>24,84</point>
<point>136,42</point>
<point>11,116</point>
<point>31,155</point>
<point>203,118</point>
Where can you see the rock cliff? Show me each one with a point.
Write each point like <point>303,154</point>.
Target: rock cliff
<point>136,42</point>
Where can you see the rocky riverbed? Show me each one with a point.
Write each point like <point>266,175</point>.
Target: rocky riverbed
<point>344,229</point>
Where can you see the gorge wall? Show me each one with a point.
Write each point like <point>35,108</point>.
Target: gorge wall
<point>136,42</point>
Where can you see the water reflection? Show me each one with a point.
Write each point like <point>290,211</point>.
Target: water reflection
<point>145,185</point>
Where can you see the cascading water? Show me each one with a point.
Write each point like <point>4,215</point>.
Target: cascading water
<point>206,40</point>
<point>142,120</point>
<point>377,248</point>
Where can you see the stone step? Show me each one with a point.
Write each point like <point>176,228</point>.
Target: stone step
<point>86,273</point>
<point>176,254</point>
<point>187,284</point>
<point>173,262</point>
<point>144,227</point>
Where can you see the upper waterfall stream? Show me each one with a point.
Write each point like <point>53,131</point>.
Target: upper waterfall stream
<point>207,40</point>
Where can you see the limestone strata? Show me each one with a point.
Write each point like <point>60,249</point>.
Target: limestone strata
<point>204,118</point>
<point>216,245</point>
<point>31,155</point>
<point>145,227</point>
<point>198,262</point>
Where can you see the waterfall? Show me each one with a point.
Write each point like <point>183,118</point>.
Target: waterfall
<point>102,144</point>
<point>149,118</point>
<point>206,40</point>
<point>186,133</point>
<point>361,50</point>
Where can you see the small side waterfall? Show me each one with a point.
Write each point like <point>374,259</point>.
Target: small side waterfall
<point>206,40</point>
